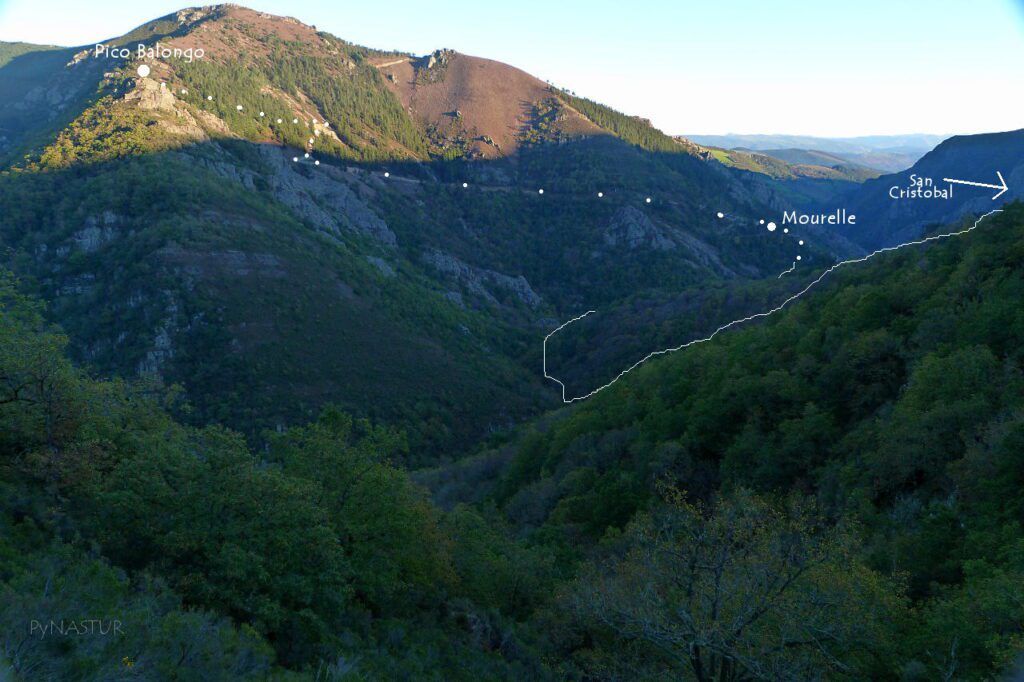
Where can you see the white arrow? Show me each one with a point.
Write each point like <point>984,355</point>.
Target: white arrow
<point>1001,186</point>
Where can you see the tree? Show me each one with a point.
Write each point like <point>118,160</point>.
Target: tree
<point>387,525</point>
<point>37,383</point>
<point>740,591</point>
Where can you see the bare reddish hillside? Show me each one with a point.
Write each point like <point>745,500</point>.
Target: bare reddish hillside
<point>234,30</point>
<point>488,99</point>
<point>478,106</point>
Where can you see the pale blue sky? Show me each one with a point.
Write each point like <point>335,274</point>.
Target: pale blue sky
<point>832,67</point>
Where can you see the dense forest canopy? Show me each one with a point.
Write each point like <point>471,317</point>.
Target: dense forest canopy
<point>891,552</point>
<point>272,408</point>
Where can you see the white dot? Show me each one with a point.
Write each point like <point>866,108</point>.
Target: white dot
<point>163,85</point>
<point>801,242</point>
<point>239,107</point>
<point>600,195</point>
<point>261,114</point>
<point>465,184</point>
<point>279,120</point>
<point>648,200</point>
<point>317,163</point>
<point>771,227</point>
<point>314,121</point>
<point>295,120</point>
<point>785,230</point>
<point>184,91</point>
<point>720,214</point>
<point>762,222</point>
<point>311,140</point>
<point>387,175</point>
<point>799,257</point>
<point>307,156</point>
<point>209,98</point>
<point>295,159</point>
<point>326,124</point>
<point>540,191</point>
<point>143,70</point>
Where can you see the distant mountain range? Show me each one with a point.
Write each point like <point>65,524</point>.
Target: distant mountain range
<point>882,152</point>
<point>853,145</point>
<point>793,164</point>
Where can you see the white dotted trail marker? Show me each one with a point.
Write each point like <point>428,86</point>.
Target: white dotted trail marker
<point>648,200</point>
<point>600,195</point>
<point>386,174</point>
<point>143,70</point>
<point>720,215</point>
<point>465,185</point>
<point>540,191</point>
<point>771,227</point>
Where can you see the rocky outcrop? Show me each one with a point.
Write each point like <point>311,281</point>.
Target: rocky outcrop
<point>98,230</point>
<point>630,228</point>
<point>382,265</point>
<point>480,281</point>
<point>151,96</point>
<point>705,254</point>
<point>193,15</point>
<point>161,351</point>
<point>321,198</point>
<point>432,68</point>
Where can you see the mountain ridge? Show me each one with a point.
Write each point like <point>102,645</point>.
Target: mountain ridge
<point>412,232</point>
<point>885,221</point>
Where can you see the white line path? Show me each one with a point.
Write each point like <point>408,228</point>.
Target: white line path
<point>755,316</point>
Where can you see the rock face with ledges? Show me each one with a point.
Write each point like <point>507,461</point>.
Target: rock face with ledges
<point>151,96</point>
<point>480,281</point>
<point>631,228</point>
<point>322,198</point>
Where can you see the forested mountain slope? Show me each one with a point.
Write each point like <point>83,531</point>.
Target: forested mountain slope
<point>230,337</point>
<point>272,227</point>
<point>831,495</point>
<point>892,396</point>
